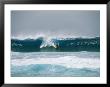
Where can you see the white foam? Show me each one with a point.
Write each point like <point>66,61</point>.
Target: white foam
<point>67,61</point>
<point>47,42</point>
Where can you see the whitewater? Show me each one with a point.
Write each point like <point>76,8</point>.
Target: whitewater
<point>58,64</point>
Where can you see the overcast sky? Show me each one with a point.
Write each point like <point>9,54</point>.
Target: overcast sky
<point>67,23</point>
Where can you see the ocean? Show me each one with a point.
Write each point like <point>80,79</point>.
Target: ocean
<point>78,57</point>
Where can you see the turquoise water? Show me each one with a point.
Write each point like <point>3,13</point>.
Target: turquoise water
<point>52,70</point>
<point>55,64</point>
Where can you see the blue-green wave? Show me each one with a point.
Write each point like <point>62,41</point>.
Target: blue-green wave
<point>55,45</point>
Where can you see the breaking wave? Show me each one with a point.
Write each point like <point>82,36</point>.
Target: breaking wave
<point>43,44</point>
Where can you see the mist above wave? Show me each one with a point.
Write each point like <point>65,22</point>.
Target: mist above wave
<point>50,37</point>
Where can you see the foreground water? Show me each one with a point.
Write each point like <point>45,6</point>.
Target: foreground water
<point>57,64</point>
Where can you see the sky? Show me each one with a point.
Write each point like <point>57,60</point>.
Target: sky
<point>55,23</point>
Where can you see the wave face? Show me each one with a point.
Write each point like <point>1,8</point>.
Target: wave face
<point>55,44</point>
